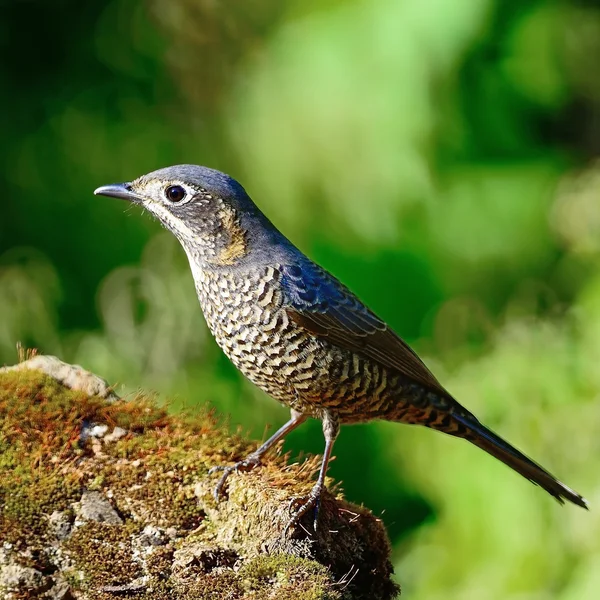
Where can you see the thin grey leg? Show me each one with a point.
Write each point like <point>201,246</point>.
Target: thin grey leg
<point>253,460</point>
<point>331,428</point>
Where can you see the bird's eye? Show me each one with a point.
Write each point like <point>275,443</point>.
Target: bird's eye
<point>175,193</point>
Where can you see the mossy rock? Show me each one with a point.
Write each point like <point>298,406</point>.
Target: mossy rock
<point>104,498</point>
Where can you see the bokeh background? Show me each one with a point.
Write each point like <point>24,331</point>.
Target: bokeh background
<point>439,157</point>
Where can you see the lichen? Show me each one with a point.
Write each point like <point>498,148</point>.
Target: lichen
<point>167,537</point>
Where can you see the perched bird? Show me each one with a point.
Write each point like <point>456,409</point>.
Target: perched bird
<point>296,331</point>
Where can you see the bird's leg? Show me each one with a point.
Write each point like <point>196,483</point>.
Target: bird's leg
<point>252,460</point>
<point>331,428</point>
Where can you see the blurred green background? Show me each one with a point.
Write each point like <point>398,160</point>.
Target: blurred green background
<point>439,157</point>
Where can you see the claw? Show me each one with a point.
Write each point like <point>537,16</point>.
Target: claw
<point>249,463</point>
<point>312,501</point>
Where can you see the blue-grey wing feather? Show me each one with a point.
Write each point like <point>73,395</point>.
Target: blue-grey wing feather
<point>320,304</point>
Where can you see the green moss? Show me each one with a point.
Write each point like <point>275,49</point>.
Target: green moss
<point>280,577</point>
<point>159,563</point>
<point>276,577</point>
<point>27,498</point>
<point>156,475</point>
<point>40,441</point>
<point>215,586</point>
<point>34,451</point>
<point>103,552</point>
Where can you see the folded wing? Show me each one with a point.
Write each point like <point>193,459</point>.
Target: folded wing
<point>326,308</point>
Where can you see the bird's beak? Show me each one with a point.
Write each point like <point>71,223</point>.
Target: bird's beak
<point>118,190</point>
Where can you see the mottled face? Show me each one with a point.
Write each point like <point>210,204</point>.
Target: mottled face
<point>200,206</point>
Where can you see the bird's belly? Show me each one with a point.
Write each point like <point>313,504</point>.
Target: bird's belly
<point>355,388</point>
<point>311,375</point>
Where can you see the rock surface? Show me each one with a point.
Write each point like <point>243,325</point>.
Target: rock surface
<point>73,377</point>
<point>102,499</point>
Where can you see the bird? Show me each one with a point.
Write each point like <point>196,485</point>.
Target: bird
<point>297,332</point>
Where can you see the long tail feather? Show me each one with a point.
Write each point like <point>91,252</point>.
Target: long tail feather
<point>487,440</point>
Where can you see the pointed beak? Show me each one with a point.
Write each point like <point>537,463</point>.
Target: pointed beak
<point>118,190</point>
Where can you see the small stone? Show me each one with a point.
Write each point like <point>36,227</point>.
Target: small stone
<point>203,558</point>
<point>71,376</point>
<point>61,590</point>
<point>15,578</point>
<point>152,536</point>
<point>134,587</point>
<point>116,434</point>
<point>98,431</point>
<point>60,524</point>
<point>95,507</point>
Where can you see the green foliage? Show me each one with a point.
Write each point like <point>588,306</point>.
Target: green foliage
<point>436,156</point>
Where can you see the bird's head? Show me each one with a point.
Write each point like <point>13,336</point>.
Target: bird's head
<point>207,210</point>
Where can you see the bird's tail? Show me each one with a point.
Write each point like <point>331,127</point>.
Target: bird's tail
<point>493,444</point>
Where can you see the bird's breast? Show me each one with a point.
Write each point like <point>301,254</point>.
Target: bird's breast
<point>238,305</point>
<point>245,313</point>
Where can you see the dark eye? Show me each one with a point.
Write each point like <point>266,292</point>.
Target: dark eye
<point>175,193</point>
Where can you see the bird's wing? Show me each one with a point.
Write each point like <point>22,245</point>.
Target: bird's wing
<point>319,303</point>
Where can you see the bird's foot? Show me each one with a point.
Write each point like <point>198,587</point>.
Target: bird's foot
<point>249,463</point>
<point>305,504</point>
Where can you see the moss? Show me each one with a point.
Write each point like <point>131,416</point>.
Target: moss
<point>103,552</point>
<point>40,440</point>
<point>27,498</point>
<point>155,478</point>
<point>34,451</point>
<point>277,577</point>
<point>159,564</point>
<point>213,586</point>
<point>281,577</point>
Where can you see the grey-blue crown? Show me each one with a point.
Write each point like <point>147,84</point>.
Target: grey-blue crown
<point>213,181</point>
